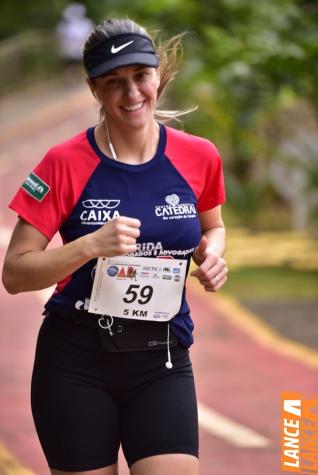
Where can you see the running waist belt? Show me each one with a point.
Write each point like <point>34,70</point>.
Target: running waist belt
<point>122,334</point>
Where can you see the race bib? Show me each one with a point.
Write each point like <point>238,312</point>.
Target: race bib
<point>138,288</point>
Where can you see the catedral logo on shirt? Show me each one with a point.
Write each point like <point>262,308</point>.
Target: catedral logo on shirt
<point>299,438</point>
<point>173,209</point>
<point>99,211</point>
<point>35,187</point>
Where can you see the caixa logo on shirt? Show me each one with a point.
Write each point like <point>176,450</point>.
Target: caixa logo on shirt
<point>99,211</point>
<point>173,209</point>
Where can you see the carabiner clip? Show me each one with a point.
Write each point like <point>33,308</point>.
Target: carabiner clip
<point>106,324</point>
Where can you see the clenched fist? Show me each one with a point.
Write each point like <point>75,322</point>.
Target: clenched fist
<point>212,270</point>
<point>115,238</point>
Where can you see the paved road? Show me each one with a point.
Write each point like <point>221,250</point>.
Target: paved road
<point>240,371</point>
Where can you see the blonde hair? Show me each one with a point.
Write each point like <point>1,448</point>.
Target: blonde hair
<point>169,52</point>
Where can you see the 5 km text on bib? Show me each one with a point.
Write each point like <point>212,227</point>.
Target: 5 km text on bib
<point>141,288</point>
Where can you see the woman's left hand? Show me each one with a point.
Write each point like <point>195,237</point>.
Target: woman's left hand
<point>212,270</point>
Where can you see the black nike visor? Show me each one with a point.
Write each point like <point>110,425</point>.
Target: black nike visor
<point>118,51</point>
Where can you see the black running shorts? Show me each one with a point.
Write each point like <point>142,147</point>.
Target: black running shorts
<point>87,401</point>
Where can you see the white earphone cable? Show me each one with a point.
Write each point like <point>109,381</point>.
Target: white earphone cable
<point>169,365</point>
<point>108,139</point>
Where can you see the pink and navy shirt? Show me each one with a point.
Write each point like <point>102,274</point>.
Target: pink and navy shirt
<point>76,189</point>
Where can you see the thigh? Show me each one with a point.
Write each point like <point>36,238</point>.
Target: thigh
<point>162,416</point>
<point>111,470</point>
<point>169,464</point>
<point>76,419</point>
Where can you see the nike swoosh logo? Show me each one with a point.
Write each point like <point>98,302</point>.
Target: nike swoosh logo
<point>119,48</point>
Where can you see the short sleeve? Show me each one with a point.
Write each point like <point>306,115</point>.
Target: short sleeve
<point>41,199</point>
<point>50,192</point>
<point>213,190</point>
<point>199,162</point>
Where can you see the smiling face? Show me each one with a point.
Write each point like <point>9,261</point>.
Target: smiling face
<point>129,95</point>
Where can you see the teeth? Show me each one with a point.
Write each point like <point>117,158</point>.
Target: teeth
<point>134,108</point>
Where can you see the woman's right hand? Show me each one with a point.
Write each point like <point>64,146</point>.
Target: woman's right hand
<point>114,238</point>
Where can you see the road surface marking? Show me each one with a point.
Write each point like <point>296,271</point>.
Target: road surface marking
<point>228,430</point>
<point>256,328</point>
<point>9,465</point>
<point>264,334</point>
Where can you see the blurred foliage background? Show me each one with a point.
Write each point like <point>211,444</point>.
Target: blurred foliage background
<point>251,67</point>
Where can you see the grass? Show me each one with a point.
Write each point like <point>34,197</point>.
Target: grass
<point>272,283</point>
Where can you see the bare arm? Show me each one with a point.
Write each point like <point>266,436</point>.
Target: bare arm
<point>212,270</point>
<point>29,265</point>
<point>213,229</point>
